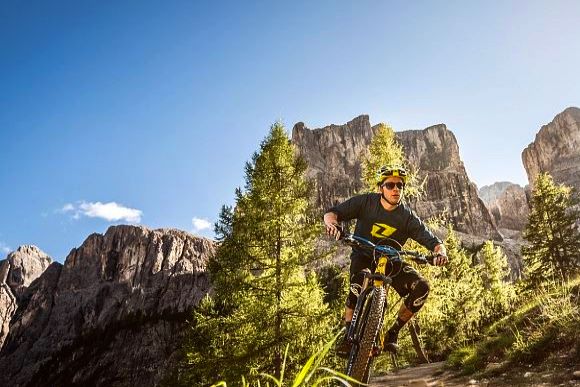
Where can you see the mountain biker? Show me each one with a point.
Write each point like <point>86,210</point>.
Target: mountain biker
<point>383,219</point>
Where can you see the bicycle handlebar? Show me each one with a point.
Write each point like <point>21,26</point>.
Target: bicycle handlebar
<point>357,241</point>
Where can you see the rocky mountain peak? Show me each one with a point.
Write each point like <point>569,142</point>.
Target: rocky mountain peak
<point>556,150</point>
<point>17,272</point>
<point>448,190</point>
<point>489,193</point>
<point>508,203</point>
<point>333,154</point>
<point>434,148</point>
<point>23,266</point>
<point>114,313</point>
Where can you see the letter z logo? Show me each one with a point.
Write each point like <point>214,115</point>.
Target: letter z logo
<point>381,230</point>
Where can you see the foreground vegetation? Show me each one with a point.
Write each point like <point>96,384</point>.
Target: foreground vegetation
<point>312,373</point>
<point>545,326</point>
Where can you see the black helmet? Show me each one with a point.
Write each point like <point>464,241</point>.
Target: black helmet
<point>391,170</point>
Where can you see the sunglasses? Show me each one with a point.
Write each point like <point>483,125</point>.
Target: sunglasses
<point>390,185</point>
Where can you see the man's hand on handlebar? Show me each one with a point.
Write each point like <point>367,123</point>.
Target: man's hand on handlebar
<point>331,224</point>
<point>333,230</point>
<point>440,256</point>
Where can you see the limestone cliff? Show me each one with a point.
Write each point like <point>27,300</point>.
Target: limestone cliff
<point>112,315</point>
<point>17,272</point>
<point>490,193</point>
<point>23,266</point>
<point>508,204</point>
<point>7,309</point>
<point>556,150</point>
<point>435,152</point>
<point>333,154</point>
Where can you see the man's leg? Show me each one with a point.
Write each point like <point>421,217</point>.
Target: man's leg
<point>348,312</point>
<point>403,316</point>
<point>344,347</point>
<point>411,283</point>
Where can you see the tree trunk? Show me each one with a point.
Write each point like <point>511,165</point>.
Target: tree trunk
<point>415,330</point>
<point>278,328</point>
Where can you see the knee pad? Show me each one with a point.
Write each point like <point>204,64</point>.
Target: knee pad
<point>418,295</point>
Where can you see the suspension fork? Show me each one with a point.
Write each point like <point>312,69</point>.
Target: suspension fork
<point>377,283</point>
<point>381,269</point>
<point>357,311</point>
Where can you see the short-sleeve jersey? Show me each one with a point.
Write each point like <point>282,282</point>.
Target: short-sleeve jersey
<point>377,224</point>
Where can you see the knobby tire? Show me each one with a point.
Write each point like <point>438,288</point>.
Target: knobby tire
<point>361,356</point>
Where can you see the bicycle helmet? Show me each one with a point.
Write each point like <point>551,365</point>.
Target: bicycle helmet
<point>391,170</point>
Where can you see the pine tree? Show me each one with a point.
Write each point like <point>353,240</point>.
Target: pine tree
<point>452,314</point>
<point>264,297</point>
<point>384,149</point>
<point>552,232</point>
<point>499,293</point>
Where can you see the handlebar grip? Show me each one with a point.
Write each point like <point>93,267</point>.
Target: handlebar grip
<point>423,260</point>
<point>340,232</point>
<point>432,257</point>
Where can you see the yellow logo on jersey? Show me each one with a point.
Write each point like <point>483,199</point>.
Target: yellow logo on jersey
<point>381,230</point>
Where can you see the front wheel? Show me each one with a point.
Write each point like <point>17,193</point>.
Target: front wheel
<point>366,334</point>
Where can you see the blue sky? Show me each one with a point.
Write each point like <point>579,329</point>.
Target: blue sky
<point>145,112</point>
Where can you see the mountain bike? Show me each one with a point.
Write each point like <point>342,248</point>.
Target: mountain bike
<point>366,334</point>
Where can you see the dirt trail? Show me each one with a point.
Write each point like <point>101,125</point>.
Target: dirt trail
<point>434,375</point>
<point>425,375</point>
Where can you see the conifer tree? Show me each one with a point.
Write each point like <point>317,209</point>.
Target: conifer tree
<point>499,293</point>
<point>384,149</point>
<point>452,314</point>
<point>264,298</point>
<point>553,251</point>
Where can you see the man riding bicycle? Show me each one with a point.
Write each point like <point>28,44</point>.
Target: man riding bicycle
<point>383,219</point>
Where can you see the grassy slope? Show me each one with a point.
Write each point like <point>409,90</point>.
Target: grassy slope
<point>542,335</point>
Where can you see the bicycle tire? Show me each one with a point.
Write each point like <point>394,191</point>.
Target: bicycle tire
<point>361,359</point>
<point>362,311</point>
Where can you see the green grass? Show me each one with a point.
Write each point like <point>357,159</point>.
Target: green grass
<point>312,373</point>
<point>548,322</point>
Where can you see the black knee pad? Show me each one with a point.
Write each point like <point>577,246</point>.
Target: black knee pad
<point>418,295</point>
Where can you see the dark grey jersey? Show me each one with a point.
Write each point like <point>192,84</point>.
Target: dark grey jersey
<point>381,226</point>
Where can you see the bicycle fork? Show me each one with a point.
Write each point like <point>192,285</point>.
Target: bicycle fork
<point>379,280</point>
<point>381,269</point>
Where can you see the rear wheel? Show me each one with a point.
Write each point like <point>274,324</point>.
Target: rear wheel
<point>371,319</point>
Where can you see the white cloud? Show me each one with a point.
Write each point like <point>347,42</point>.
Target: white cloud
<point>200,224</point>
<point>111,211</point>
<point>4,248</point>
<point>67,207</point>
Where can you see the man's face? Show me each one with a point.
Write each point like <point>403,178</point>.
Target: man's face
<point>391,189</point>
